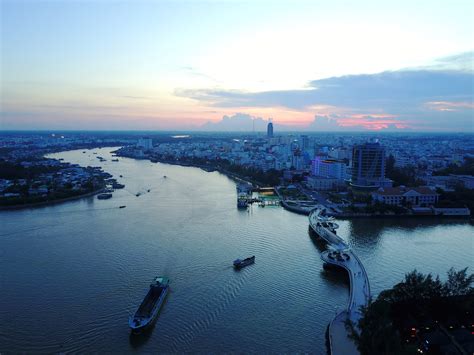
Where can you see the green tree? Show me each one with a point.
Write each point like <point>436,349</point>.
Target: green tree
<point>415,286</point>
<point>378,333</point>
<point>458,283</point>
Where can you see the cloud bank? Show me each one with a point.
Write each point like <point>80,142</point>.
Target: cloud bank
<point>438,97</point>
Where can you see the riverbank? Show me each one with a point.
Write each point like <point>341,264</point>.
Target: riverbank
<point>348,216</point>
<point>50,202</point>
<point>303,208</point>
<point>293,206</point>
<point>207,168</point>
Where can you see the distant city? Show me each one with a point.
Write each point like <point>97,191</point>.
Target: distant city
<point>388,174</point>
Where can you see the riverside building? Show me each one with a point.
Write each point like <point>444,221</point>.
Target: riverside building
<point>368,166</point>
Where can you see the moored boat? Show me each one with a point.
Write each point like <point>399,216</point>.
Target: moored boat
<point>104,196</point>
<point>238,263</point>
<point>244,195</point>
<point>151,304</point>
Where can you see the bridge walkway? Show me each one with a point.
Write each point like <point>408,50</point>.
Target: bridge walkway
<point>341,255</point>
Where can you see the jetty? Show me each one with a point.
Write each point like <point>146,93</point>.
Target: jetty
<point>339,254</point>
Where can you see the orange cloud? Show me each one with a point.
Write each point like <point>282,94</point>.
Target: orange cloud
<point>371,122</point>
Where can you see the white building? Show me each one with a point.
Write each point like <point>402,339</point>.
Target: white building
<point>328,168</point>
<point>322,183</point>
<point>401,195</point>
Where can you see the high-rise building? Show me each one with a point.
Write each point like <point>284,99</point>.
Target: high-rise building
<point>304,142</point>
<point>145,143</point>
<point>368,166</point>
<point>270,130</point>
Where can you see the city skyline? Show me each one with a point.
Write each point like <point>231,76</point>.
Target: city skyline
<point>310,66</point>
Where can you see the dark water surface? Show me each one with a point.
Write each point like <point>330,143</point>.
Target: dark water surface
<point>71,274</point>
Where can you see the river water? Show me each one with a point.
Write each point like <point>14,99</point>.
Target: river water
<point>71,274</point>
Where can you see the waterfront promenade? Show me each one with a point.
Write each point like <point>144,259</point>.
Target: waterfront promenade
<point>340,255</point>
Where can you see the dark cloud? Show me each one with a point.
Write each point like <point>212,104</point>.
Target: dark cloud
<point>460,62</point>
<point>383,90</point>
<point>407,96</point>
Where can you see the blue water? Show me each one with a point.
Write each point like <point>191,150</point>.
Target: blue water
<point>71,274</point>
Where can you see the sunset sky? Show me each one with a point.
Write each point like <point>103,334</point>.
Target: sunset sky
<point>177,65</point>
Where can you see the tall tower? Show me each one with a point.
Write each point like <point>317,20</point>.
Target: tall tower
<point>270,130</point>
<point>368,165</point>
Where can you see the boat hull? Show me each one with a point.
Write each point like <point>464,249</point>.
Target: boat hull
<point>243,263</point>
<point>242,204</point>
<point>149,309</point>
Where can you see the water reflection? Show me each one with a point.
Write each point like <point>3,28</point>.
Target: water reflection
<point>318,242</point>
<point>137,340</point>
<point>336,276</point>
<point>366,232</point>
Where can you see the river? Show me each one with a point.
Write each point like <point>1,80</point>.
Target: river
<point>72,273</point>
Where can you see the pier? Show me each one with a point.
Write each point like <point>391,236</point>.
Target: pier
<point>340,255</point>
<point>245,196</point>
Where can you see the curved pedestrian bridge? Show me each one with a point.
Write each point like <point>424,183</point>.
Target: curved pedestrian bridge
<point>340,255</point>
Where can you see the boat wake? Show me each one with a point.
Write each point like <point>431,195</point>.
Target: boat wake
<point>210,313</point>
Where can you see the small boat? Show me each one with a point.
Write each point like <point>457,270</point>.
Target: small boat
<point>115,160</point>
<point>138,194</point>
<point>104,196</point>
<point>116,185</point>
<point>164,176</point>
<point>122,206</point>
<point>238,264</point>
<point>121,175</point>
<point>151,304</point>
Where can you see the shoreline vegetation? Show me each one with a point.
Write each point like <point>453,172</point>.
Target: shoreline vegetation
<point>39,180</point>
<point>206,166</point>
<point>420,314</point>
<point>50,202</point>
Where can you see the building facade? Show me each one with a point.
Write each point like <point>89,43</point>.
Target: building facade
<point>145,143</point>
<point>328,168</point>
<point>270,130</point>
<point>368,165</point>
<point>321,183</point>
<point>406,196</point>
